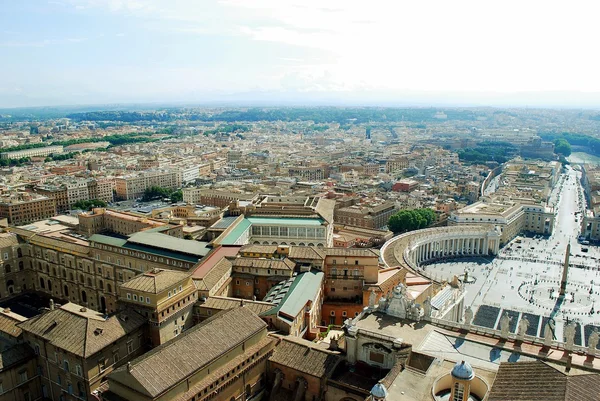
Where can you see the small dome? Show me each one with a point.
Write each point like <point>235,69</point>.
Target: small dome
<point>379,391</point>
<point>463,371</point>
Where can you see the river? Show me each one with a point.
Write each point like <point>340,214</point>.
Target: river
<point>582,157</point>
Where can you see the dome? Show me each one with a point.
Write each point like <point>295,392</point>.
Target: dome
<point>463,371</point>
<point>379,391</point>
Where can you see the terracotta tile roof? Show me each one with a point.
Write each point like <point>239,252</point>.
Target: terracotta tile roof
<point>167,365</point>
<point>81,331</point>
<point>537,381</point>
<point>304,357</point>
<point>255,248</point>
<point>214,257</point>
<point>306,252</point>
<point>583,388</point>
<point>8,324</point>
<point>224,303</point>
<point>225,369</point>
<point>278,264</point>
<point>155,281</point>
<point>8,240</point>
<point>215,274</point>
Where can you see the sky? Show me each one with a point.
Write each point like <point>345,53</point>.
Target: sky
<point>418,52</point>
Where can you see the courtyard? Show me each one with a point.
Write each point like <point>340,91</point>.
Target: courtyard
<point>524,279</point>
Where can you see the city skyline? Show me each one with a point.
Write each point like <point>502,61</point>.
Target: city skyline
<point>266,52</point>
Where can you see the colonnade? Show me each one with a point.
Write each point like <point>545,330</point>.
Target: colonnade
<point>436,248</point>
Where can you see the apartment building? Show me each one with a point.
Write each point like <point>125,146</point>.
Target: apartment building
<point>214,197</point>
<point>76,348</point>
<point>365,214</point>
<point>309,173</point>
<point>24,207</point>
<point>101,189</point>
<point>394,164</point>
<point>133,186</point>
<point>68,191</point>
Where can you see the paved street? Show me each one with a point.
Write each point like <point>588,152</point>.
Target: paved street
<point>525,276</point>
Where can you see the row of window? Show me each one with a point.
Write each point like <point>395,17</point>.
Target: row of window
<point>138,255</point>
<point>248,388</point>
<point>135,298</point>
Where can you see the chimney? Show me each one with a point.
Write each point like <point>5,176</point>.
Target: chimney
<point>129,367</point>
<point>51,304</point>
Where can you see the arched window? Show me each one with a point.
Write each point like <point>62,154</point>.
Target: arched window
<point>66,290</point>
<point>54,271</point>
<point>10,285</point>
<point>49,285</point>
<point>89,282</point>
<point>66,365</point>
<point>83,296</point>
<point>71,276</point>
<point>42,283</point>
<point>21,267</point>
<point>101,284</point>
<point>81,279</point>
<point>108,287</point>
<point>7,269</point>
<point>19,253</point>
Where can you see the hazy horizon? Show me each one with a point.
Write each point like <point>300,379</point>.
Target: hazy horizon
<point>343,53</point>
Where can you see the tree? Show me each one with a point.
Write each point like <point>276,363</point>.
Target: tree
<point>409,220</point>
<point>562,147</point>
<point>177,196</point>
<point>156,192</point>
<point>89,204</point>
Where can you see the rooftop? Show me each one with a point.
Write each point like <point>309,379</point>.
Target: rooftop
<point>292,295</point>
<point>82,331</point>
<point>165,366</point>
<point>158,244</point>
<point>304,356</point>
<point>155,281</point>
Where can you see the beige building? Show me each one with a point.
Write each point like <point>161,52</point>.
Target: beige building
<point>368,215</point>
<point>223,358</point>
<point>35,152</point>
<point>25,207</point>
<point>509,216</point>
<point>133,186</point>
<point>19,378</point>
<point>100,220</point>
<point>88,272</point>
<point>165,298</point>
<point>77,347</point>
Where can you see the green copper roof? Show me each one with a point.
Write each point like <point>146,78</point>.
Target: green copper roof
<point>236,233</point>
